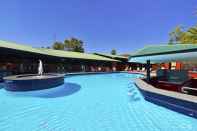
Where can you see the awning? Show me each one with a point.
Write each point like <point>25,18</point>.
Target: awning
<point>165,53</point>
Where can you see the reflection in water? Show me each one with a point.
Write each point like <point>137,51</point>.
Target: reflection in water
<point>60,91</point>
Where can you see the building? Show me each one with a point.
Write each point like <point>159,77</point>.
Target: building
<point>20,59</point>
<point>123,65</point>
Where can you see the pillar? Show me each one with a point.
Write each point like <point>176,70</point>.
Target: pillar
<point>148,66</point>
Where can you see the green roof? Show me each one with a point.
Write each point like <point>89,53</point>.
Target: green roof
<point>19,47</point>
<point>77,55</point>
<point>112,56</point>
<point>51,52</point>
<point>164,49</point>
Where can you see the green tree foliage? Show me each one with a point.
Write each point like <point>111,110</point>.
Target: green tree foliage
<point>178,35</point>
<point>113,52</point>
<point>175,35</point>
<point>192,34</point>
<point>58,46</point>
<point>74,44</point>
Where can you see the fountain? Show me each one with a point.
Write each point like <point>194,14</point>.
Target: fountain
<point>40,68</point>
<point>29,82</point>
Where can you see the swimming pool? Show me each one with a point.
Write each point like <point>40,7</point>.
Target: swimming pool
<point>104,102</point>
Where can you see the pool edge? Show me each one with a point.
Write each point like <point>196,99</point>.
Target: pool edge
<point>183,106</point>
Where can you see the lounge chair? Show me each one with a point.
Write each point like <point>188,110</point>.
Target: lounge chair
<point>172,80</point>
<point>173,76</point>
<point>190,87</point>
<point>189,90</point>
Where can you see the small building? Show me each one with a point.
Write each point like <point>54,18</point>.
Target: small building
<point>20,59</point>
<point>123,65</point>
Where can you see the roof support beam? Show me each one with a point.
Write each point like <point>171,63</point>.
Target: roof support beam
<point>148,66</point>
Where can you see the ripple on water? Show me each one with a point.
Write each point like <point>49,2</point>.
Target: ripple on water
<point>89,103</point>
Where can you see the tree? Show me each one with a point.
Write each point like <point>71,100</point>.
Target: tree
<point>178,35</point>
<point>113,52</point>
<point>58,46</point>
<point>73,44</point>
<point>189,36</point>
<point>192,35</point>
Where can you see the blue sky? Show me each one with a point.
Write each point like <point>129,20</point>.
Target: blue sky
<point>125,25</point>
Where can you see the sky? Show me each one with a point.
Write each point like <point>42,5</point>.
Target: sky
<point>103,25</point>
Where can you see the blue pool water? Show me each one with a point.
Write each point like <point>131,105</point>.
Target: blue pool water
<point>107,102</point>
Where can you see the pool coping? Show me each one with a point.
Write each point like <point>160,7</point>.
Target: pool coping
<point>178,102</point>
<point>29,82</point>
<point>92,73</point>
<point>29,76</point>
<point>148,87</point>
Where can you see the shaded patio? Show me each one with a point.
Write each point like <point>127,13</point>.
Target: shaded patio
<point>175,89</point>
